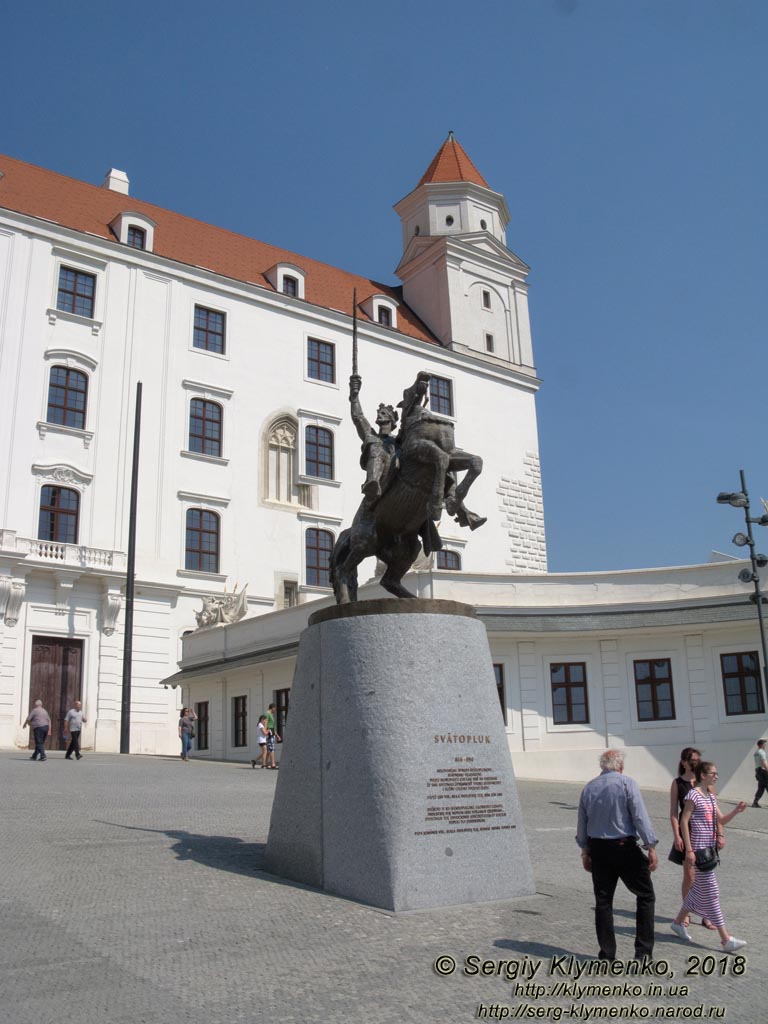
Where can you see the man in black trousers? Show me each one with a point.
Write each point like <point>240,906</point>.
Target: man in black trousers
<point>612,818</point>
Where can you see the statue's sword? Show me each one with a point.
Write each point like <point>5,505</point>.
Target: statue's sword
<point>354,333</point>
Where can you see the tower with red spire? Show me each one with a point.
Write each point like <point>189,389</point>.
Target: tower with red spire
<point>457,272</point>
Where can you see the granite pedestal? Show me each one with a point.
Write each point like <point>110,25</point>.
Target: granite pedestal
<point>396,785</point>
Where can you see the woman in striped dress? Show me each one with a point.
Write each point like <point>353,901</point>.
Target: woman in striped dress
<point>701,825</point>
<point>679,790</point>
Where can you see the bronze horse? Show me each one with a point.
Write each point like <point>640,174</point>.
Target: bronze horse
<point>421,481</point>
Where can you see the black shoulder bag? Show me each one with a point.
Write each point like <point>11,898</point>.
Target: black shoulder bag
<point>708,858</point>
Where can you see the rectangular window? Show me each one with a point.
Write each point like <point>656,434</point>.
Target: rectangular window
<point>209,330</point>
<point>67,393</point>
<point>205,427</point>
<point>202,541</point>
<point>321,361</point>
<point>59,515</point>
<point>448,559</point>
<point>319,545</point>
<point>742,683</point>
<point>318,452</point>
<point>569,693</point>
<point>489,346</point>
<point>486,299</point>
<point>201,710</point>
<point>239,721</point>
<point>498,671</point>
<point>137,237</point>
<point>282,699</point>
<point>76,292</point>
<point>290,595</point>
<point>653,690</point>
<point>290,286</point>
<point>385,316</point>
<point>441,396</point>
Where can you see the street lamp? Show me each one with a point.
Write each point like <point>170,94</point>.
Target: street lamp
<point>740,499</point>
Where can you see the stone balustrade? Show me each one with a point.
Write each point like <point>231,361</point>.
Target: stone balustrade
<point>53,553</point>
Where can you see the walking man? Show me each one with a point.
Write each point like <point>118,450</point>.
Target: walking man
<point>612,818</point>
<point>761,772</point>
<point>39,722</point>
<point>73,721</point>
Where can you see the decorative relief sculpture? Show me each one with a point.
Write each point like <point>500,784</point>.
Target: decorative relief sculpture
<point>14,599</point>
<point>110,609</point>
<point>219,610</point>
<point>410,479</point>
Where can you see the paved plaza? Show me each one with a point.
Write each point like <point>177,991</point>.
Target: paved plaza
<point>131,893</point>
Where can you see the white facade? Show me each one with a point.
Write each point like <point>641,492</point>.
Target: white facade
<point>685,619</point>
<point>146,304</point>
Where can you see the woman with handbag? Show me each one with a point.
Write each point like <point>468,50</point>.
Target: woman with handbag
<point>679,790</point>
<point>701,825</point>
<point>186,732</point>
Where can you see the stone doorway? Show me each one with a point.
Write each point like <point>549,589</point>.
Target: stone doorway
<point>56,679</point>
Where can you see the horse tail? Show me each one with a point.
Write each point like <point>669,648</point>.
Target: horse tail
<point>340,551</point>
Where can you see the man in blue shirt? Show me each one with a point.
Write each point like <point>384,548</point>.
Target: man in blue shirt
<point>612,818</point>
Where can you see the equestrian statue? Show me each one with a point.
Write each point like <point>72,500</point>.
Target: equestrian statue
<point>410,478</point>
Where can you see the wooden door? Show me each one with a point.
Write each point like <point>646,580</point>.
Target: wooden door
<point>56,680</point>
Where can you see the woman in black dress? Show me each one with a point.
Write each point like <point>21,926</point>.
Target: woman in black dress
<point>678,791</point>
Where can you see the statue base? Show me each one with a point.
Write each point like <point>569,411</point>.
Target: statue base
<point>396,785</point>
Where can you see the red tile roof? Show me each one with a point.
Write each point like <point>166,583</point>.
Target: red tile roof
<point>451,163</point>
<point>74,204</point>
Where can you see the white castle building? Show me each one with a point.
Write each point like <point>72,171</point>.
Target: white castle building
<point>250,465</point>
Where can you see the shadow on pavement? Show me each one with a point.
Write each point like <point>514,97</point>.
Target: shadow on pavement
<point>225,853</point>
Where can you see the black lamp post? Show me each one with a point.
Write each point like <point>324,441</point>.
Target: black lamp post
<point>740,499</point>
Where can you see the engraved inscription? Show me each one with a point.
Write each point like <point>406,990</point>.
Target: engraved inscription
<point>464,798</point>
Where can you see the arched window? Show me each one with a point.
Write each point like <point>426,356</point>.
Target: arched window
<point>202,541</point>
<point>448,559</point>
<point>318,452</point>
<point>205,427</point>
<point>59,515</point>
<point>318,557</point>
<point>281,467</point>
<point>67,397</point>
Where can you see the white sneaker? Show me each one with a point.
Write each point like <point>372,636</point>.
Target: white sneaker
<point>681,933</point>
<point>733,944</point>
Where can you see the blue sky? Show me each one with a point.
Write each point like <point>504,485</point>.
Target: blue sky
<point>628,137</point>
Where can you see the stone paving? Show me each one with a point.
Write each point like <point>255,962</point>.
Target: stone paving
<point>131,893</point>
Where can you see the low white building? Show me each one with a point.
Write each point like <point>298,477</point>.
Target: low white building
<point>650,661</point>
<point>249,461</point>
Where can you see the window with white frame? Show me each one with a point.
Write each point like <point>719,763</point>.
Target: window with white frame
<point>205,427</point>
<point>447,559</point>
<point>318,452</point>
<point>653,690</point>
<point>321,361</point>
<point>742,683</point>
<point>209,331</point>
<point>201,546</point>
<point>76,292</point>
<point>569,693</point>
<point>67,397</point>
<point>59,517</point>
<point>318,547</point>
<point>441,395</point>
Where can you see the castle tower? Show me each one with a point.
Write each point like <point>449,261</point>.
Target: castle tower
<point>457,272</point>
